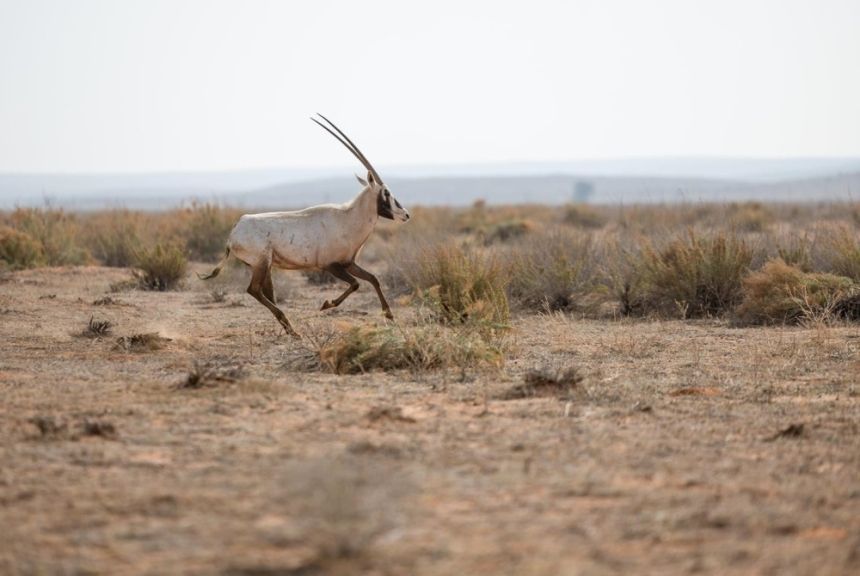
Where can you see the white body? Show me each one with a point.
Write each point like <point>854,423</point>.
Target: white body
<point>315,237</point>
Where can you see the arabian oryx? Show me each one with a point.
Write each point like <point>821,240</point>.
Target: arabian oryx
<point>325,237</point>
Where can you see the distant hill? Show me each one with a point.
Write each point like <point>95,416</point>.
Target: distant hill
<point>643,180</point>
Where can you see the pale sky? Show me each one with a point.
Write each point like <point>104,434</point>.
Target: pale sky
<point>117,85</point>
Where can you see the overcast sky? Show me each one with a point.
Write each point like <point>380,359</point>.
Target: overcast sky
<point>209,85</point>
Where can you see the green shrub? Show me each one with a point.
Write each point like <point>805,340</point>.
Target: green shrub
<point>56,231</point>
<point>780,293</point>
<point>555,271</point>
<point>694,276</point>
<point>160,268</point>
<point>18,250</point>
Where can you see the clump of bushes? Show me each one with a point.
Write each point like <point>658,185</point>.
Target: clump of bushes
<point>116,242</point>
<point>55,231</point>
<point>695,275</point>
<point>161,267</point>
<point>19,250</point>
<point>583,216</point>
<point>463,286</point>
<point>206,229</point>
<point>507,230</point>
<point>365,348</point>
<point>554,271</point>
<point>780,293</point>
<point>841,253</point>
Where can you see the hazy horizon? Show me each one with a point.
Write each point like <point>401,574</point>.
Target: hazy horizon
<point>201,86</point>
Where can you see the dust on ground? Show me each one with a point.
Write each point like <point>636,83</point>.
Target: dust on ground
<point>679,447</point>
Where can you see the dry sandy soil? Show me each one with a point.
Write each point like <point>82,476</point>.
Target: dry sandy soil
<point>688,446</point>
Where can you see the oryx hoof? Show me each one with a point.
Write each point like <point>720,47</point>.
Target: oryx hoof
<point>389,315</point>
<point>327,304</point>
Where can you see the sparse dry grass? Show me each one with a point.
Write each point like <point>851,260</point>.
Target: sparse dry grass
<point>427,346</point>
<point>779,293</point>
<point>161,267</point>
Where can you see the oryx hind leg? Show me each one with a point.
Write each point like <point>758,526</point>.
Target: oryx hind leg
<point>360,272</point>
<point>260,284</point>
<point>339,272</point>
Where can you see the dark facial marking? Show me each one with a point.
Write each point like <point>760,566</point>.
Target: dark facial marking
<point>383,207</point>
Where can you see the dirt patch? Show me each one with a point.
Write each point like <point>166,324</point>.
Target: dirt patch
<point>655,463</point>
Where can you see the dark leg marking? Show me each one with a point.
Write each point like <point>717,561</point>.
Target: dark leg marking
<point>269,288</point>
<point>339,272</point>
<point>255,289</point>
<point>360,272</point>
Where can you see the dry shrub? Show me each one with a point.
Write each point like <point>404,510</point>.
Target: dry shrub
<point>507,230</point>
<point>206,228</point>
<point>695,275</point>
<point>19,250</point>
<point>212,373</point>
<point>546,381</point>
<point>97,328</point>
<point>145,342</point>
<point>462,285</point>
<point>749,217</point>
<point>160,268</point>
<point>780,293</point>
<point>621,262</point>
<point>583,216</point>
<point>426,347</point>
<point>554,271</point>
<point>115,241</point>
<point>57,233</point>
<point>840,252</point>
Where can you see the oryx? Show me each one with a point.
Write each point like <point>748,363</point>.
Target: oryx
<point>325,237</point>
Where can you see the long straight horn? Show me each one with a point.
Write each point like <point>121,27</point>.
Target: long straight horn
<point>350,145</point>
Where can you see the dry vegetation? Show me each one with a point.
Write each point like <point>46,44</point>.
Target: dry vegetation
<point>593,390</point>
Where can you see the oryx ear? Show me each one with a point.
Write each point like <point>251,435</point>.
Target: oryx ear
<point>361,180</point>
<point>370,177</point>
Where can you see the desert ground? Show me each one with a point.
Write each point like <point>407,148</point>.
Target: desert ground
<point>687,446</point>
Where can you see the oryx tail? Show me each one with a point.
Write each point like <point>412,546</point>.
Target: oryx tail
<point>217,268</point>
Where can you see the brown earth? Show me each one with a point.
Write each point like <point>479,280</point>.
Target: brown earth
<point>687,446</point>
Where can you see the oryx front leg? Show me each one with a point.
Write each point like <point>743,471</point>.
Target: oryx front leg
<point>360,272</point>
<point>339,272</point>
<point>261,284</point>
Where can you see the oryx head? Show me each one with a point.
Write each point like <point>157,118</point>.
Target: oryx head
<point>387,205</point>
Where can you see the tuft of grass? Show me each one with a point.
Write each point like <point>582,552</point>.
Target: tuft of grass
<point>779,293</point>
<point>160,268</point>
<point>145,342</point>
<point>695,275</point>
<point>507,230</point>
<point>97,328</point>
<point>463,286</point>
<point>583,216</point>
<point>841,252</point>
<point>366,348</point>
<point>212,373</point>
<point>749,217</point>
<point>554,271</point>
<point>546,381</point>
<point>19,250</point>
